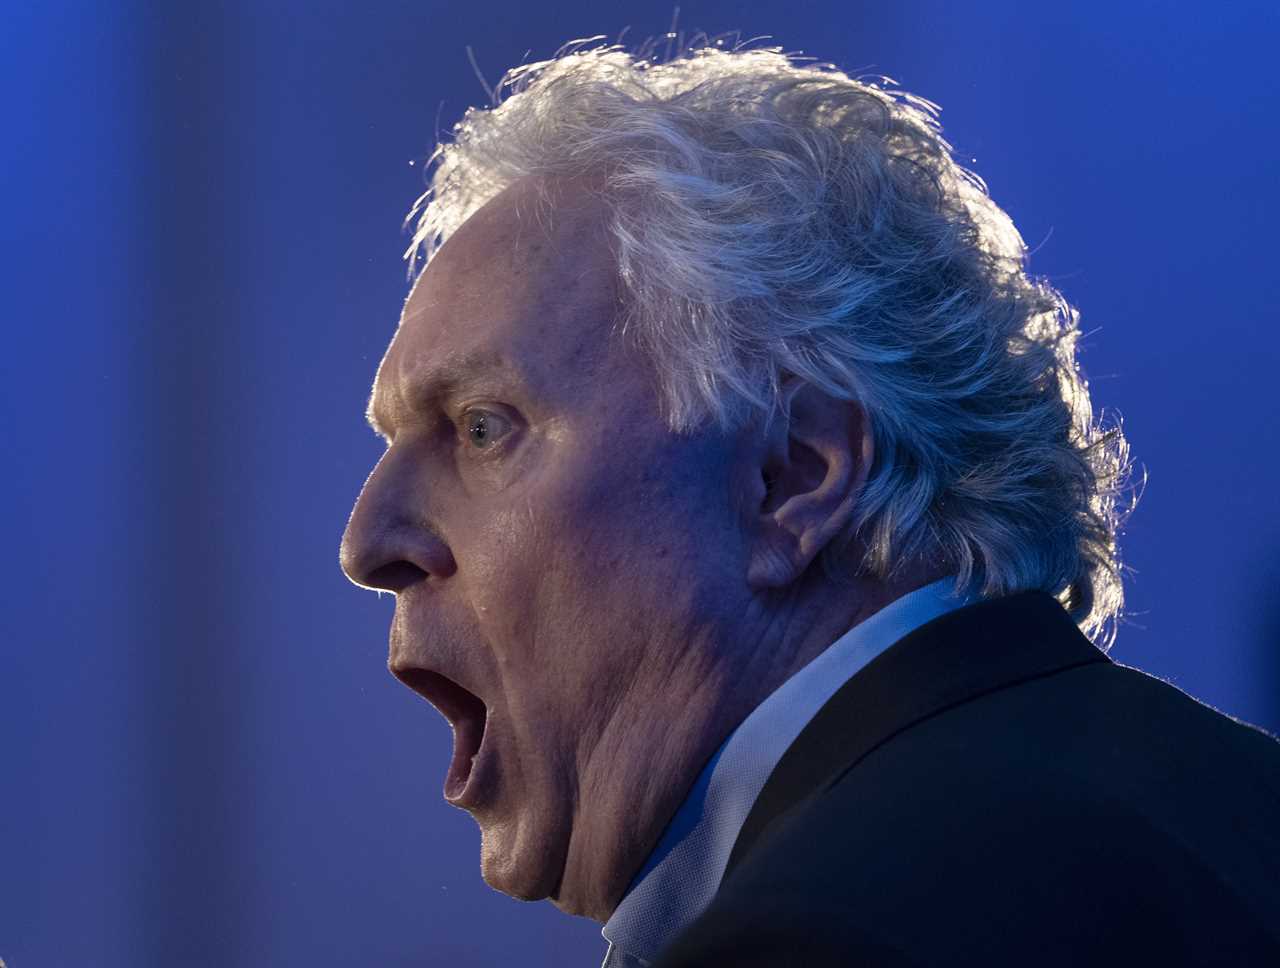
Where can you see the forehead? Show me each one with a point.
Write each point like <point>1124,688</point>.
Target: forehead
<point>525,289</point>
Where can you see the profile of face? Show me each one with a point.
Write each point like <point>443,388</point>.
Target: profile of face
<point>572,579</point>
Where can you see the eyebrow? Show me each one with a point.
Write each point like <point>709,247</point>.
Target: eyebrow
<point>447,375</point>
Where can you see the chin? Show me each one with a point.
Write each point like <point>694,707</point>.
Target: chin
<point>526,871</point>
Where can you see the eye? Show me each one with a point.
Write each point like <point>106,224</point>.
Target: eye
<point>483,428</point>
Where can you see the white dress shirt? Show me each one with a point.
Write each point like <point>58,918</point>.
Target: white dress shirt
<point>682,874</point>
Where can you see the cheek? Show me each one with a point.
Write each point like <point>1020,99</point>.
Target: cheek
<point>503,573</point>
<point>593,565</point>
<point>549,586</point>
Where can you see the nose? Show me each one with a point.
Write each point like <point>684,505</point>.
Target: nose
<point>387,545</point>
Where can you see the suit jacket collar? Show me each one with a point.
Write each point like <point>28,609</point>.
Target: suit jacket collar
<point>953,659</point>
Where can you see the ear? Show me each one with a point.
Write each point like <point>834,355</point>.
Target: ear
<point>808,477</point>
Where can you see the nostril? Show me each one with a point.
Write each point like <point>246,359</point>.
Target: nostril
<point>395,576</point>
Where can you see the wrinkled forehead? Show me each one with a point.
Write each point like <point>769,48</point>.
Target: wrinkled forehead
<point>538,247</point>
<point>529,281</point>
<point>537,254</point>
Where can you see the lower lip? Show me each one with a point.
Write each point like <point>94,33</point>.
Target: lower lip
<point>474,790</point>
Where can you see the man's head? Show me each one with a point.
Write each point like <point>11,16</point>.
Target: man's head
<point>709,361</point>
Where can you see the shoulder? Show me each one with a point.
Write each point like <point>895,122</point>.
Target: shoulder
<point>1077,812</point>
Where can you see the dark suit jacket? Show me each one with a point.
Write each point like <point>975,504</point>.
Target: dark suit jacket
<point>993,790</point>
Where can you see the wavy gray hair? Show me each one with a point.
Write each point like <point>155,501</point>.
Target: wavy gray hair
<point>776,221</point>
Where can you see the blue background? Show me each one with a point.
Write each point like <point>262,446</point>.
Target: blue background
<point>203,760</point>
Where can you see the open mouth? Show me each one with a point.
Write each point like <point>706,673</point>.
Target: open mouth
<point>466,713</point>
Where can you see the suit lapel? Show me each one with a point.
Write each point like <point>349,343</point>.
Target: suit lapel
<point>954,658</point>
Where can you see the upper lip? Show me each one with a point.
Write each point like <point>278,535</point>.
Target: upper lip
<point>416,668</point>
<point>454,700</point>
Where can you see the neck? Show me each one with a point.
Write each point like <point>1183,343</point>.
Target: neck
<point>654,758</point>
<point>823,611</point>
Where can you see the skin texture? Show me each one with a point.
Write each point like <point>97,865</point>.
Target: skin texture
<point>620,597</point>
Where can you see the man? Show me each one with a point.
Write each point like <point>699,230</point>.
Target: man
<point>748,521</point>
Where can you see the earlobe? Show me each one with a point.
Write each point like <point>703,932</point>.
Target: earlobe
<point>770,567</point>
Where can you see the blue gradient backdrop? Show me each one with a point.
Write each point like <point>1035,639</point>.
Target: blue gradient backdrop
<point>203,760</point>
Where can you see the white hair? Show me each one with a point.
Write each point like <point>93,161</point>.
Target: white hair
<point>776,220</point>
